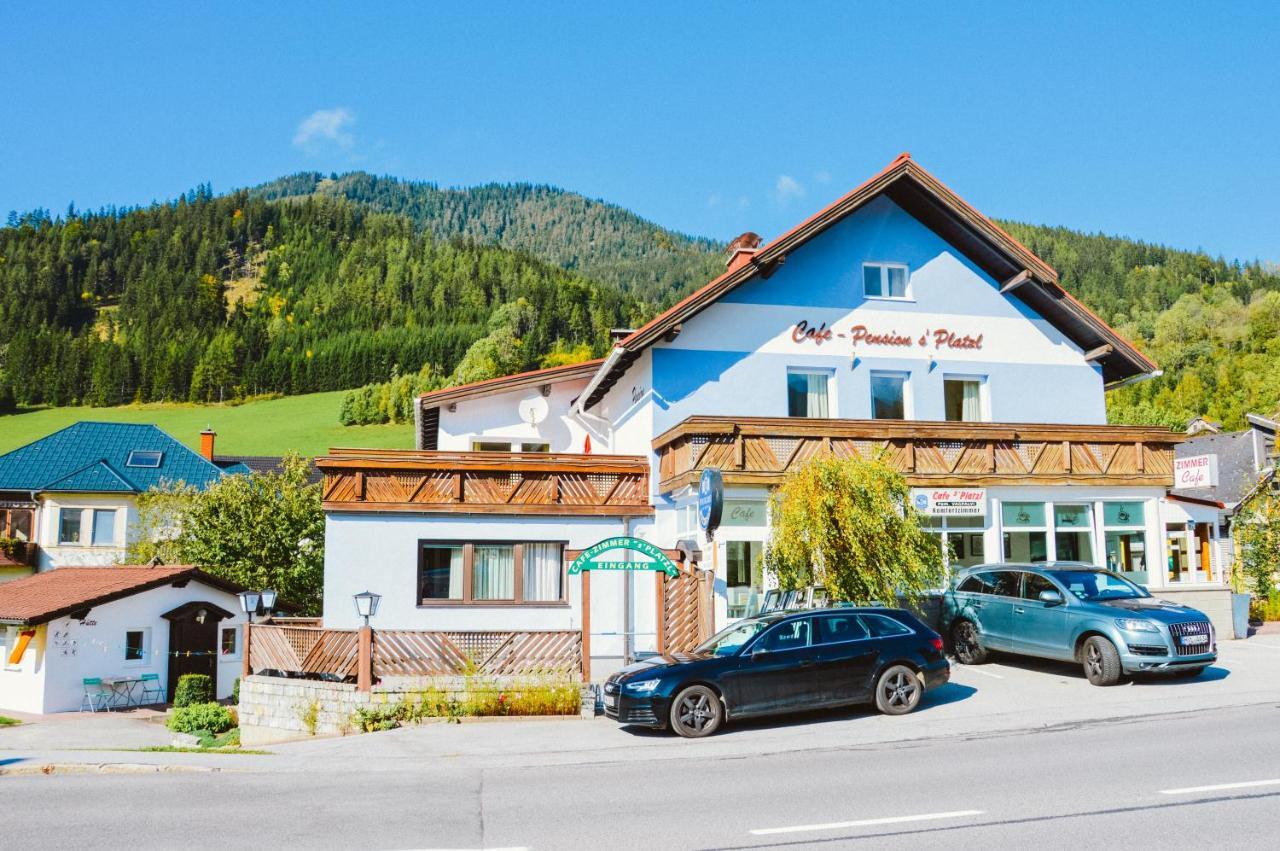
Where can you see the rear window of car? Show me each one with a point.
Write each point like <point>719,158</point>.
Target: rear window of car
<point>880,626</point>
<point>836,628</point>
<point>1008,583</point>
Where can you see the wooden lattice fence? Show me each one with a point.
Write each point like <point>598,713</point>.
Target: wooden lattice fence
<point>686,610</point>
<point>421,653</point>
<point>303,650</point>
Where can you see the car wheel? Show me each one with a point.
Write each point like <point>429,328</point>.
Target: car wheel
<point>967,643</point>
<point>696,712</point>
<point>898,691</point>
<point>1101,661</point>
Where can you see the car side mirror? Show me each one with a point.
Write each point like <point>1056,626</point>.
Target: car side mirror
<point>1051,597</point>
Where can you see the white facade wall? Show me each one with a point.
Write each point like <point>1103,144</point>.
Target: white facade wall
<point>65,651</point>
<point>89,553</point>
<point>496,417</point>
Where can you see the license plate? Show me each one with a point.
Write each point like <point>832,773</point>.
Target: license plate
<point>611,701</point>
<point>1192,640</point>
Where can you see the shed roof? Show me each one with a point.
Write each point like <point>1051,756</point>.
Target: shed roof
<point>45,596</point>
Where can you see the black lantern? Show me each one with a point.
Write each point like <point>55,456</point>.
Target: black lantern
<point>367,605</point>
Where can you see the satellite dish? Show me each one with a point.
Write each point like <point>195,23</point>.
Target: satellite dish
<point>533,409</point>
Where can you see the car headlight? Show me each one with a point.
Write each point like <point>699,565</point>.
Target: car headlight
<point>643,687</point>
<point>1136,625</point>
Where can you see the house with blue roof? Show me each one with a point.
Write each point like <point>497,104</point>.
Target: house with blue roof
<point>70,499</point>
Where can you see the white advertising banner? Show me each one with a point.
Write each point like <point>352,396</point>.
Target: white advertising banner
<point>952,502</point>
<point>1196,471</point>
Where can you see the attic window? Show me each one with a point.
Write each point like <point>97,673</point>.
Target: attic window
<point>140,458</point>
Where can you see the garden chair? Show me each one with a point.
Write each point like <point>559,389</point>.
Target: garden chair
<point>95,696</point>
<point>152,690</point>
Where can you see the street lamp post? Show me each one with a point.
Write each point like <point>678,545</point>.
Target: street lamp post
<point>366,607</point>
<point>249,602</point>
<point>367,604</point>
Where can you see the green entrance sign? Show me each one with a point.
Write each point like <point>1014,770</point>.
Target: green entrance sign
<point>592,558</point>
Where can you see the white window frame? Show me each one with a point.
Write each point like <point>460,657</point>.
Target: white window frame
<point>146,647</point>
<point>234,628</point>
<point>514,444</point>
<point>883,266</point>
<point>58,527</point>
<point>984,395</point>
<point>93,527</point>
<point>908,410</point>
<point>829,374</point>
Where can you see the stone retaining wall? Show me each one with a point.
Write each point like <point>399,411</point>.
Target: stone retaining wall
<point>274,709</point>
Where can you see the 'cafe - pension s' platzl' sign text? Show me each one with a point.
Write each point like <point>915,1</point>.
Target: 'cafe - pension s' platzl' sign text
<point>940,338</point>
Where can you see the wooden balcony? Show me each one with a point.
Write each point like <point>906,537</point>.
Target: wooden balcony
<point>485,483</point>
<point>764,450</point>
<point>17,553</point>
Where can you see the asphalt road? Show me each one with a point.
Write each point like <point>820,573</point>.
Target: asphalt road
<point>1133,783</point>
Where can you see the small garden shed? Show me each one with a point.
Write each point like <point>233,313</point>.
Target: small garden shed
<point>130,627</point>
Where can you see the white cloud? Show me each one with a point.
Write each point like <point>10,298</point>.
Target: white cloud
<point>822,176</point>
<point>787,188</point>
<point>331,125</point>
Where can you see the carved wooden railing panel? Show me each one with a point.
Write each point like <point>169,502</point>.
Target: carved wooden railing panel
<point>485,482</point>
<point>763,450</point>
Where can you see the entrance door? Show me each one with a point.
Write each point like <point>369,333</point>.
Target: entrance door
<point>1179,552</point>
<point>193,642</point>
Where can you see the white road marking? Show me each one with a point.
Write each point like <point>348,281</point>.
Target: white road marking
<point>980,671</point>
<point>1218,787</point>
<point>869,822</point>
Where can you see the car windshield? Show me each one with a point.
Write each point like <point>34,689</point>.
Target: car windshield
<point>729,639</point>
<point>1097,585</point>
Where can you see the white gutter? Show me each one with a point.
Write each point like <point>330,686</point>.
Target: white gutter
<point>615,355</point>
<point>1133,379</point>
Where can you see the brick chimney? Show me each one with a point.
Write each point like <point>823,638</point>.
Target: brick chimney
<point>206,443</point>
<point>741,250</point>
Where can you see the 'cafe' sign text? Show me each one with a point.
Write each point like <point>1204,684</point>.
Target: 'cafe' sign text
<point>941,338</point>
<point>1196,471</point>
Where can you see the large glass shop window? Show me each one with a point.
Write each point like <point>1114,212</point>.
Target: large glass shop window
<point>960,538</point>
<point>1072,535</point>
<point>1026,539</point>
<point>744,563</point>
<point>1125,539</point>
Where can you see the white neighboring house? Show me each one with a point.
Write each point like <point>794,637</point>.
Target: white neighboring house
<point>61,626</point>
<point>70,498</point>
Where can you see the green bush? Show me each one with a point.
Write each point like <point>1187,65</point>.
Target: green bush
<point>235,692</point>
<point>192,689</point>
<point>201,718</point>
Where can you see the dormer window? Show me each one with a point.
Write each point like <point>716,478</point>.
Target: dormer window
<point>884,280</point>
<point>141,458</point>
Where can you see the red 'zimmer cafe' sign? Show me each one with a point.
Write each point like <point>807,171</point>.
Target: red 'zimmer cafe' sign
<point>1195,471</point>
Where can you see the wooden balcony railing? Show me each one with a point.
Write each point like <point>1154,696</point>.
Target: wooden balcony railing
<point>763,450</point>
<point>485,483</point>
<point>17,553</point>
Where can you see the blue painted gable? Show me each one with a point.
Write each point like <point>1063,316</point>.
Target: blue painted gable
<point>94,457</point>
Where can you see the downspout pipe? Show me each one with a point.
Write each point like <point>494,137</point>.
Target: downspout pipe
<point>580,406</point>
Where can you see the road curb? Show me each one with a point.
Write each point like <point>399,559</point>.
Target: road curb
<point>101,768</point>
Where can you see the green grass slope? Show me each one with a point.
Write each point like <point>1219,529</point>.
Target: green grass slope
<point>305,424</point>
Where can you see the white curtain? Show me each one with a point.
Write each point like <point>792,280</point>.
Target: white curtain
<point>455,573</point>
<point>816,395</point>
<point>972,406</point>
<point>493,573</point>
<point>542,572</point>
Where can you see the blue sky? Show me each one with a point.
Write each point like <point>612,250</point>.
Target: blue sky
<point>1157,121</point>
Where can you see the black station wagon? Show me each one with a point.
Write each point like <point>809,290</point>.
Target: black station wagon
<point>783,662</point>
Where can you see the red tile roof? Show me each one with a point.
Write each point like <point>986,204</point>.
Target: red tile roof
<point>43,597</point>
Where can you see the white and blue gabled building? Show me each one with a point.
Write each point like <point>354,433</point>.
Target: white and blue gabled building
<point>897,322</point>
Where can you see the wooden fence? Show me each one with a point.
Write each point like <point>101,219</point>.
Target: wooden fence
<point>366,655</point>
<point>684,604</point>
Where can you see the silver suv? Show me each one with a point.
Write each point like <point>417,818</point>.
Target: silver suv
<point>1074,613</point>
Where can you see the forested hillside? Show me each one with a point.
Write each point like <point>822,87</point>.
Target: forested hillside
<point>603,241</point>
<point>210,298</point>
<point>312,283</point>
<point>1212,326</point>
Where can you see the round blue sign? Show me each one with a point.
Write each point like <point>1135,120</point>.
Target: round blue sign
<point>710,499</point>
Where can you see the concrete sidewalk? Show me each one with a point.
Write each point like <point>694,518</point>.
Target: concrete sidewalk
<point>996,699</point>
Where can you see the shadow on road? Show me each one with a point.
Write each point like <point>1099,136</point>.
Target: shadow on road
<point>941,696</point>
<point>1073,670</point>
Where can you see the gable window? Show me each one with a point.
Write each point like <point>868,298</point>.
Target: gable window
<point>490,446</point>
<point>889,395</point>
<point>807,393</point>
<point>69,526</point>
<point>104,527</point>
<point>491,573</point>
<point>884,280</point>
<point>962,398</point>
